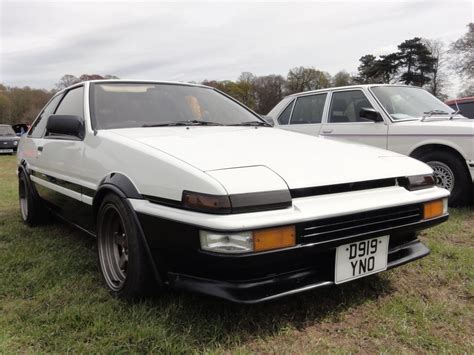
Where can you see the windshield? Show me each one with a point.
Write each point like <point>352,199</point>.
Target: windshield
<point>120,105</point>
<point>7,131</point>
<point>403,102</point>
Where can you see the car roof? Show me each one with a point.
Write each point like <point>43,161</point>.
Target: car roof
<point>130,81</point>
<point>349,87</point>
<point>460,100</point>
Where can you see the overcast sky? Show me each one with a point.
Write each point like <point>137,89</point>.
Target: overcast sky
<point>41,41</point>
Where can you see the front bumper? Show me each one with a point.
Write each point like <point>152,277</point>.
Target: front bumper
<point>173,239</point>
<point>266,289</point>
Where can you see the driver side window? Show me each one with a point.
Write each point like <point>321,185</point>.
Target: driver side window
<point>346,106</point>
<point>73,103</point>
<point>38,128</point>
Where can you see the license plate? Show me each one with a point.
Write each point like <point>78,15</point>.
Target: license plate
<point>360,259</point>
<point>6,150</point>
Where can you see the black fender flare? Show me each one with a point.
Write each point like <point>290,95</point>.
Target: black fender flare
<point>23,168</point>
<point>121,185</point>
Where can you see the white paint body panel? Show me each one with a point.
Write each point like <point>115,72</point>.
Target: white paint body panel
<point>300,160</point>
<point>164,161</point>
<point>303,209</point>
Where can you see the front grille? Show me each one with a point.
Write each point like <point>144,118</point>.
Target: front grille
<point>7,145</point>
<point>329,229</point>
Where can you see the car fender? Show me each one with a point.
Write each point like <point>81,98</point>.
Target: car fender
<point>122,186</point>
<point>440,142</point>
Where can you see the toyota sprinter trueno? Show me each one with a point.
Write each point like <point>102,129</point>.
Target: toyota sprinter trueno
<point>186,188</point>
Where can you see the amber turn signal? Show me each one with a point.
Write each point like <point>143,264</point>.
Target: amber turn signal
<point>274,238</point>
<point>433,209</point>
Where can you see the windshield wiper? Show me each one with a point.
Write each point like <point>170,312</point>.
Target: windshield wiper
<point>454,113</point>
<point>433,112</point>
<point>183,123</point>
<point>251,123</point>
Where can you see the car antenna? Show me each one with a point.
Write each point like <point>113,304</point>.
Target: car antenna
<point>455,112</point>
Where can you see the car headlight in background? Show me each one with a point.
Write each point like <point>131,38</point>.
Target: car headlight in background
<point>15,142</point>
<point>249,241</point>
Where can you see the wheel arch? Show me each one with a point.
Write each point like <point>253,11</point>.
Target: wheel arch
<point>116,183</point>
<point>122,186</point>
<point>420,150</point>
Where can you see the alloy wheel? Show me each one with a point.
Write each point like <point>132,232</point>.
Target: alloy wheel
<point>23,193</point>
<point>444,176</point>
<point>113,248</point>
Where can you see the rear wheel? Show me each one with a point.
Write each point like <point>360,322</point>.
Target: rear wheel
<point>450,174</point>
<point>33,211</point>
<point>121,253</point>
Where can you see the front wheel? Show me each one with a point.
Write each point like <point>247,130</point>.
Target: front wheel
<point>450,174</point>
<point>121,253</point>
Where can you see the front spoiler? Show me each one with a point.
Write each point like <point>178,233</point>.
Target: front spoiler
<point>262,290</point>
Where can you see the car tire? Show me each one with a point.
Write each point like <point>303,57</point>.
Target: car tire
<point>32,209</point>
<point>122,257</point>
<point>449,174</point>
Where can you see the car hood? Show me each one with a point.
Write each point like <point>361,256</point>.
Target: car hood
<point>9,138</point>
<point>437,126</point>
<point>300,160</point>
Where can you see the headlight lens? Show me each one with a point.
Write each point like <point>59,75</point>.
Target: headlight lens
<point>206,203</point>
<point>249,241</point>
<point>15,142</point>
<point>417,182</point>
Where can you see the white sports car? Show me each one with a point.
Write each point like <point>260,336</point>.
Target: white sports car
<point>404,119</point>
<point>186,188</point>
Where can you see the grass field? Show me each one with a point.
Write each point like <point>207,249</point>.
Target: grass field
<point>51,300</point>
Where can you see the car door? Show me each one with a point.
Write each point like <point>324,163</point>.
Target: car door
<point>304,114</point>
<point>30,143</point>
<point>59,165</point>
<point>344,121</point>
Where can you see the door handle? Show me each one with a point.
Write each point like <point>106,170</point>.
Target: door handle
<point>40,149</point>
<point>327,130</point>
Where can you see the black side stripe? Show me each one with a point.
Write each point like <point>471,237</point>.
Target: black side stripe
<point>63,183</point>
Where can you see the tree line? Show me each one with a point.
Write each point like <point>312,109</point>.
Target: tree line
<point>420,62</point>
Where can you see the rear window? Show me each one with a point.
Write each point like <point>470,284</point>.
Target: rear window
<point>308,109</point>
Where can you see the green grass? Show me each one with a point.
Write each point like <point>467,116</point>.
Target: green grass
<point>52,300</point>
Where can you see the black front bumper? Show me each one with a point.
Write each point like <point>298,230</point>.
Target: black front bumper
<point>258,277</point>
<point>8,144</point>
<point>262,290</point>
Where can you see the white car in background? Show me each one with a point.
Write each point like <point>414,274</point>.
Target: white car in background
<point>186,188</point>
<point>404,119</point>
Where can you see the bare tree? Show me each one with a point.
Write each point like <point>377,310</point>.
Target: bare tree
<point>438,82</point>
<point>65,81</point>
<point>342,78</point>
<point>305,79</point>
<point>462,60</point>
<point>269,91</point>
<point>463,51</point>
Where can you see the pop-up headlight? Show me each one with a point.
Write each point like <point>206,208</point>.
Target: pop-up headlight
<point>417,182</point>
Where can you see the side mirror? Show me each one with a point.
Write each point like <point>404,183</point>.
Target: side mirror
<point>370,114</point>
<point>65,125</point>
<point>269,120</point>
